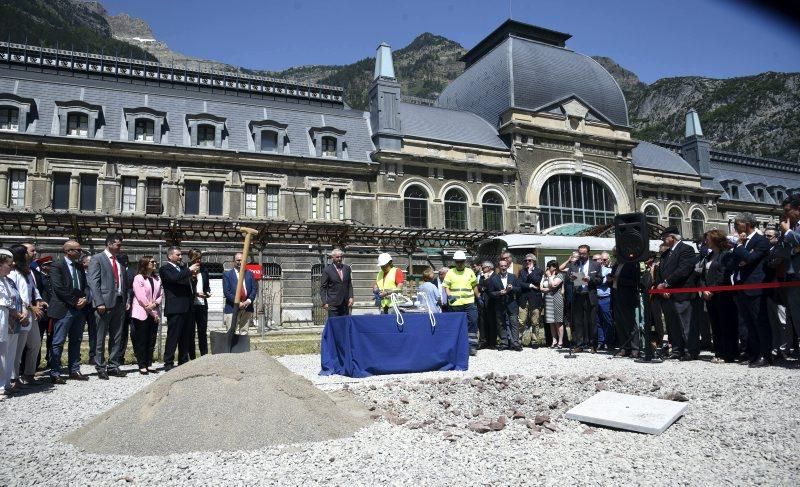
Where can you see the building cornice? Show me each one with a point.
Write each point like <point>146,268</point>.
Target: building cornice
<point>172,155</point>
<point>127,69</point>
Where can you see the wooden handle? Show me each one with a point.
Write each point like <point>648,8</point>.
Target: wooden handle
<point>248,234</point>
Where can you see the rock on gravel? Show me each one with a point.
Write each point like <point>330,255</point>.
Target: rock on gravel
<point>221,402</point>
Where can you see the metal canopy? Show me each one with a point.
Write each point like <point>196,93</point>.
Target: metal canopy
<point>176,230</point>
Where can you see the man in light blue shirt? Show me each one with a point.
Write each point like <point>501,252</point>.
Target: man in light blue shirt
<point>605,322</point>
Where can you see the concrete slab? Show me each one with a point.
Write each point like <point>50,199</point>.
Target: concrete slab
<point>625,411</point>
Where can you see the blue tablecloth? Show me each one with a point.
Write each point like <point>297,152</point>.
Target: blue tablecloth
<point>365,345</point>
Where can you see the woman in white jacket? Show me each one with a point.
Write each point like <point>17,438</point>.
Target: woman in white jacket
<point>11,312</point>
<point>29,331</point>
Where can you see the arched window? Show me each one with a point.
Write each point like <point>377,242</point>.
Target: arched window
<point>698,224</point>
<point>651,214</point>
<point>455,210</point>
<point>575,199</point>
<point>415,206</point>
<point>676,219</point>
<point>492,212</point>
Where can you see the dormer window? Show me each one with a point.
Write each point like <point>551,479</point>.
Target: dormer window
<point>732,188</point>
<point>206,130</point>
<point>145,124</point>
<point>269,136</point>
<point>760,195</point>
<point>206,135</point>
<point>778,193</point>
<point>77,124</point>
<point>269,141</point>
<point>329,146</point>
<point>144,130</point>
<point>15,112</point>
<point>9,118</point>
<point>78,118</point>
<point>329,142</point>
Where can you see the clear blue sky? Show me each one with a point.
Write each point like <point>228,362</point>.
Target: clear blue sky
<point>654,39</point>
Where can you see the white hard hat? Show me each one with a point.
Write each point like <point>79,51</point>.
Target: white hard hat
<point>384,259</point>
<point>459,255</point>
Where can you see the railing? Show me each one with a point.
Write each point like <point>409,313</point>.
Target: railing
<point>100,64</point>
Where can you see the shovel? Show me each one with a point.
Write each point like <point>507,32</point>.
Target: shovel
<point>229,341</point>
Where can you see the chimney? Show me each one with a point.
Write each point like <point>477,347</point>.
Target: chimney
<point>696,149</point>
<point>384,67</point>
<point>384,102</point>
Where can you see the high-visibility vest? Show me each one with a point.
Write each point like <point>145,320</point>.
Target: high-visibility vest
<point>460,284</point>
<point>387,283</point>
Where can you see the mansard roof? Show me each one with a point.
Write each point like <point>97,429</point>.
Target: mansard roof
<point>450,126</point>
<point>528,74</point>
<point>116,97</point>
<point>651,156</point>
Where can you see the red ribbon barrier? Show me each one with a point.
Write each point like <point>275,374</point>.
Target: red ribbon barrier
<point>716,289</point>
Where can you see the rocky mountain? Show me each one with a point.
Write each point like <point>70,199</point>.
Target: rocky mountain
<point>755,114</point>
<point>63,23</point>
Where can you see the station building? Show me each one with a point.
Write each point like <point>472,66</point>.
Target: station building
<point>533,137</point>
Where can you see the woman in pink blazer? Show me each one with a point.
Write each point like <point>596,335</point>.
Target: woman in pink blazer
<point>144,313</point>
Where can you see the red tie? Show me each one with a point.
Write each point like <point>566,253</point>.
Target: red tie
<point>243,296</point>
<point>116,271</point>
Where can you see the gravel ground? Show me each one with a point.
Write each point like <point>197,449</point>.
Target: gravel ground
<point>456,428</point>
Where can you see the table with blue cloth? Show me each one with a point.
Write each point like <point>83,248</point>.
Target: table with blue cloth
<point>365,345</point>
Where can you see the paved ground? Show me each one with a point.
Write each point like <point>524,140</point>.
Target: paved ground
<point>742,428</point>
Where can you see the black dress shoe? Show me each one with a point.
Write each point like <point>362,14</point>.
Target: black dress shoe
<point>517,348</point>
<point>77,376</point>
<point>102,375</point>
<point>57,379</point>
<point>117,373</point>
<point>761,362</point>
<point>168,367</point>
<point>674,356</point>
<point>635,354</point>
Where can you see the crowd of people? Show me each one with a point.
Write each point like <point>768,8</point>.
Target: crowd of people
<point>104,297</point>
<point>594,302</point>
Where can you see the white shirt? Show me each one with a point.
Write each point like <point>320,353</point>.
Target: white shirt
<point>73,271</point>
<point>199,289</point>
<point>585,271</point>
<point>504,280</point>
<point>25,286</point>
<point>120,270</point>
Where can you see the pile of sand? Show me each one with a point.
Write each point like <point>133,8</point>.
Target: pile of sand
<point>221,402</point>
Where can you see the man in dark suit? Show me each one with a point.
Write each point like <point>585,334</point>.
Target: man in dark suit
<point>68,299</point>
<point>248,295</point>
<point>108,285</point>
<point>585,275</point>
<point>176,280</point>
<point>750,256</point>
<point>675,272</point>
<point>625,279</point>
<point>487,321</point>
<point>336,287</point>
<point>503,288</point>
<point>530,302</point>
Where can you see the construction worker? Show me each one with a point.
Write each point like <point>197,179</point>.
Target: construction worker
<point>389,280</point>
<point>461,285</point>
